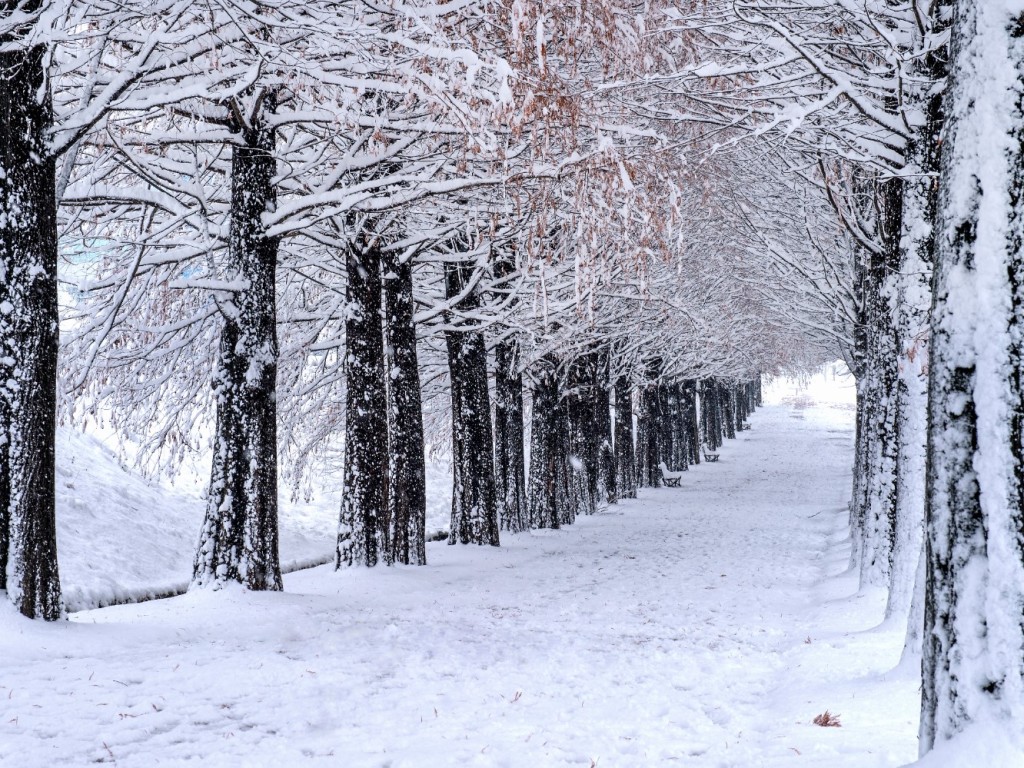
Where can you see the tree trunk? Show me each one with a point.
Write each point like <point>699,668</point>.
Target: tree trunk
<point>606,491</point>
<point>549,469</point>
<point>625,461</point>
<point>678,450</point>
<point>881,371</point>
<point>740,398</point>
<point>363,525</point>
<point>713,427</point>
<point>728,419</point>
<point>239,541</point>
<point>973,668</point>
<point>474,500</point>
<point>859,495</point>
<point>584,439</point>
<point>509,448</point>
<point>406,483</point>
<point>906,589</point>
<point>692,420</point>
<point>649,438</point>
<point>28,330</point>
<point>865,403</point>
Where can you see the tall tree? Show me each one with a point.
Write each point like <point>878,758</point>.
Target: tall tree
<point>509,447</point>
<point>239,538</point>
<point>625,463</point>
<point>474,501</point>
<point>361,531</point>
<point>550,471</point>
<point>407,484</point>
<point>28,317</point>
<point>973,667</point>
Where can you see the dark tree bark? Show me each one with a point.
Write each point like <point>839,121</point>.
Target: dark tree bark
<point>873,514</point>
<point>584,434</point>
<point>606,489</point>
<point>667,432</point>
<point>28,328</point>
<point>474,499</point>
<point>239,540</point>
<point>752,387</point>
<point>678,450</point>
<point>648,442</point>
<point>625,461</point>
<point>509,447</point>
<point>712,417</point>
<point>362,528</point>
<point>549,494</point>
<point>691,420</point>
<point>406,483</point>
<point>740,404</point>
<point>883,372</point>
<point>726,398</point>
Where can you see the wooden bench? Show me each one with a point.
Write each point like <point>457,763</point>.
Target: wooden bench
<point>708,455</point>
<point>671,478</point>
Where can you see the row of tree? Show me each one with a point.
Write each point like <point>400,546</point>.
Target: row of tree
<point>280,230</point>
<point>906,115</point>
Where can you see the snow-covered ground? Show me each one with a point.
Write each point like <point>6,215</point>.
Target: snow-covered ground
<point>121,537</point>
<point>701,626</point>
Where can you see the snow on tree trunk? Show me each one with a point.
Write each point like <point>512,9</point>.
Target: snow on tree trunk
<point>5,421</point>
<point>692,420</point>
<point>509,448</point>
<point>606,491</point>
<point>913,299</point>
<point>361,529</point>
<point>878,531</point>
<point>547,464</point>
<point>739,406</point>
<point>554,487</point>
<point>239,538</point>
<point>474,498</point>
<point>908,532</point>
<point>858,496</point>
<point>406,483</point>
<point>710,420</point>
<point>625,463</point>
<point>584,437</point>
<point>681,432</point>
<point>648,438</point>
<point>752,390</point>
<point>725,394</point>
<point>906,588</point>
<point>973,664</point>
<point>28,330</point>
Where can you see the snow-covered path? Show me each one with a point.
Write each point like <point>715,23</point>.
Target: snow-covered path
<point>668,630</point>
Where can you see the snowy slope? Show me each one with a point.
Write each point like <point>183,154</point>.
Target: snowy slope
<point>120,537</point>
<point>670,630</point>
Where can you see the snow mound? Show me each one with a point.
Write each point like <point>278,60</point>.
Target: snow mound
<point>122,538</point>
